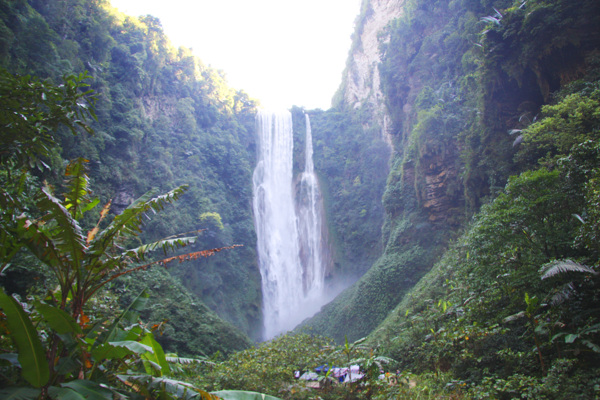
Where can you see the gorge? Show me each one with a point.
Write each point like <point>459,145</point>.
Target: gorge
<point>452,190</point>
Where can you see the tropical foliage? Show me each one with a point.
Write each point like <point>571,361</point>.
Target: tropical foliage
<point>163,119</point>
<point>271,367</point>
<point>494,134</point>
<point>478,251</point>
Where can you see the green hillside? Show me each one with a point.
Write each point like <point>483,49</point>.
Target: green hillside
<point>163,119</point>
<point>466,232</point>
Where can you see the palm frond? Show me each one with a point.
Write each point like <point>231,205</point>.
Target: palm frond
<point>196,255</point>
<point>184,360</point>
<point>68,236</point>
<point>165,244</point>
<point>130,220</point>
<point>77,197</point>
<point>111,264</point>
<point>518,140</point>
<point>558,267</point>
<point>105,265</point>
<point>490,19</point>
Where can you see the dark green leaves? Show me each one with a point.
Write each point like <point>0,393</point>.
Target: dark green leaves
<point>243,395</point>
<point>31,353</point>
<point>30,111</point>
<point>81,390</point>
<point>19,393</point>
<point>58,319</point>
<point>119,350</point>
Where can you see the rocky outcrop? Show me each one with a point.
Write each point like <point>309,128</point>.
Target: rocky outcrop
<point>362,80</point>
<point>122,200</point>
<point>438,198</point>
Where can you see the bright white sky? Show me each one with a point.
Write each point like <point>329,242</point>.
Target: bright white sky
<point>282,52</point>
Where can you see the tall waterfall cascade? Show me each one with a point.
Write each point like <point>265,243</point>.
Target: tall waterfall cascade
<point>291,239</point>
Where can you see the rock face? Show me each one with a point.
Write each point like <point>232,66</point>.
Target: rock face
<point>437,197</point>
<point>122,200</point>
<point>362,89</point>
<point>362,80</point>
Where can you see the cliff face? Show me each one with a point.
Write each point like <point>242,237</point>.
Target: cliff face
<point>437,200</point>
<point>362,74</point>
<point>447,84</point>
<point>362,90</point>
<point>362,82</point>
<point>435,172</point>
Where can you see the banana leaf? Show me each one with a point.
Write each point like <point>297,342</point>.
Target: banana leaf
<point>242,395</point>
<point>32,356</point>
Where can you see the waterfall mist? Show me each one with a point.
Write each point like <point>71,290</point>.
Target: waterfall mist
<point>291,239</point>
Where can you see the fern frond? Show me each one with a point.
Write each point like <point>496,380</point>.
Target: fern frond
<point>558,267</point>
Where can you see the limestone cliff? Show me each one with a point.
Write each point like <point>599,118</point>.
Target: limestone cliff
<point>361,79</point>
<point>395,84</point>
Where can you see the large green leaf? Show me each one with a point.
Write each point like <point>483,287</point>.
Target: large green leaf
<point>68,235</point>
<point>146,384</point>
<point>157,356</point>
<point>243,395</point>
<point>58,319</point>
<point>31,353</point>
<point>130,315</point>
<point>19,393</point>
<point>81,390</point>
<point>571,337</point>
<point>119,350</point>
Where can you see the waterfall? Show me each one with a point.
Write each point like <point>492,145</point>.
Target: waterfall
<point>288,226</point>
<point>309,224</point>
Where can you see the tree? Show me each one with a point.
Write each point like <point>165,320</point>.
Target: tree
<point>30,113</point>
<point>32,110</point>
<point>62,352</point>
<point>82,264</point>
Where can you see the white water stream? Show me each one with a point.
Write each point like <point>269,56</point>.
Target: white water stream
<point>288,226</point>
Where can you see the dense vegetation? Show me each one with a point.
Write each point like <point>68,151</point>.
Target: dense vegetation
<point>70,337</point>
<point>480,251</point>
<point>494,104</point>
<point>163,119</point>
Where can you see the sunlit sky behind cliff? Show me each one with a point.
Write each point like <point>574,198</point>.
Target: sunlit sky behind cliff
<point>282,52</point>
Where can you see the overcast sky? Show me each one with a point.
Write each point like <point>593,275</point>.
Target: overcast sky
<point>282,52</point>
